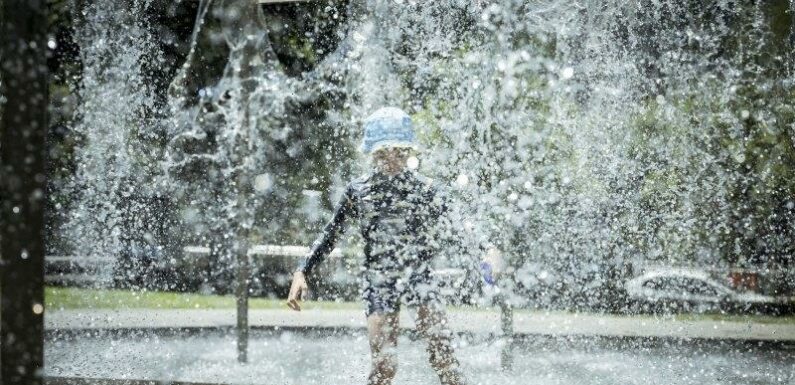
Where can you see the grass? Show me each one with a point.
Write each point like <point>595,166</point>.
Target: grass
<point>683,317</point>
<point>750,318</point>
<point>60,298</point>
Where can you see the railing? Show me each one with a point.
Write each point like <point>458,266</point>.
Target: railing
<point>281,1</point>
<point>79,270</point>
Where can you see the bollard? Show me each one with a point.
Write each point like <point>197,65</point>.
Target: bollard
<point>506,321</point>
<point>241,296</point>
<point>491,266</point>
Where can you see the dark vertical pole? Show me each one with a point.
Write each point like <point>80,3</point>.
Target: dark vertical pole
<point>506,323</point>
<point>792,26</point>
<point>242,307</point>
<point>23,127</point>
<point>242,17</point>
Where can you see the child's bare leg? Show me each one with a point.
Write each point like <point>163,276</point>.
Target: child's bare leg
<point>383,333</point>
<point>432,324</point>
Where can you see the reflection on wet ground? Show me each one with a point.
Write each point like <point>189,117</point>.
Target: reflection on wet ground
<point>291,358</point>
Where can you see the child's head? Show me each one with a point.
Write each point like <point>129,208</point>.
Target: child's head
<point>388,127</point>
<point>389,138</point>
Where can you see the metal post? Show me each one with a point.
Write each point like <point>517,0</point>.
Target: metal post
<point>241,295</point>
<point>247,30</point>
<point>792,27</point>
<point>506,321</point>
<point>23,129</point>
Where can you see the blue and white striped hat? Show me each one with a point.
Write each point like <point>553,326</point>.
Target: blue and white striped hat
<point>388,127</point>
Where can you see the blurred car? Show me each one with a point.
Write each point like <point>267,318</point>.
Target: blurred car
<point>688,290</point>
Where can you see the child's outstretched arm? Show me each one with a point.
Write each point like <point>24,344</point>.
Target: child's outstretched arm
<point>321,248</point>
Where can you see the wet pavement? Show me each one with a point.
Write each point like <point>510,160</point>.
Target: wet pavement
<point>283,357</point>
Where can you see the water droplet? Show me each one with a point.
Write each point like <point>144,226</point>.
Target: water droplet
<point>462,180</point>
<point>263,182</point>
<point>412,162</point>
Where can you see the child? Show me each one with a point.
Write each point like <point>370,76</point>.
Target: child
<point>397,210</point>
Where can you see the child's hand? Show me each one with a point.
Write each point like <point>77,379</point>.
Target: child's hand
<point>488,273</point>
<point>297,291</point>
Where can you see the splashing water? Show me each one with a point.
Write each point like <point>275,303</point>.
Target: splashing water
<point>117,125</point>
<point>579,136</point>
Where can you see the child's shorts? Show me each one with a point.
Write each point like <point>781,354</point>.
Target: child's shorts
<point>384,293</point>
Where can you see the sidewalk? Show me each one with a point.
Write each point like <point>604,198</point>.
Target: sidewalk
<point>477,322</point>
